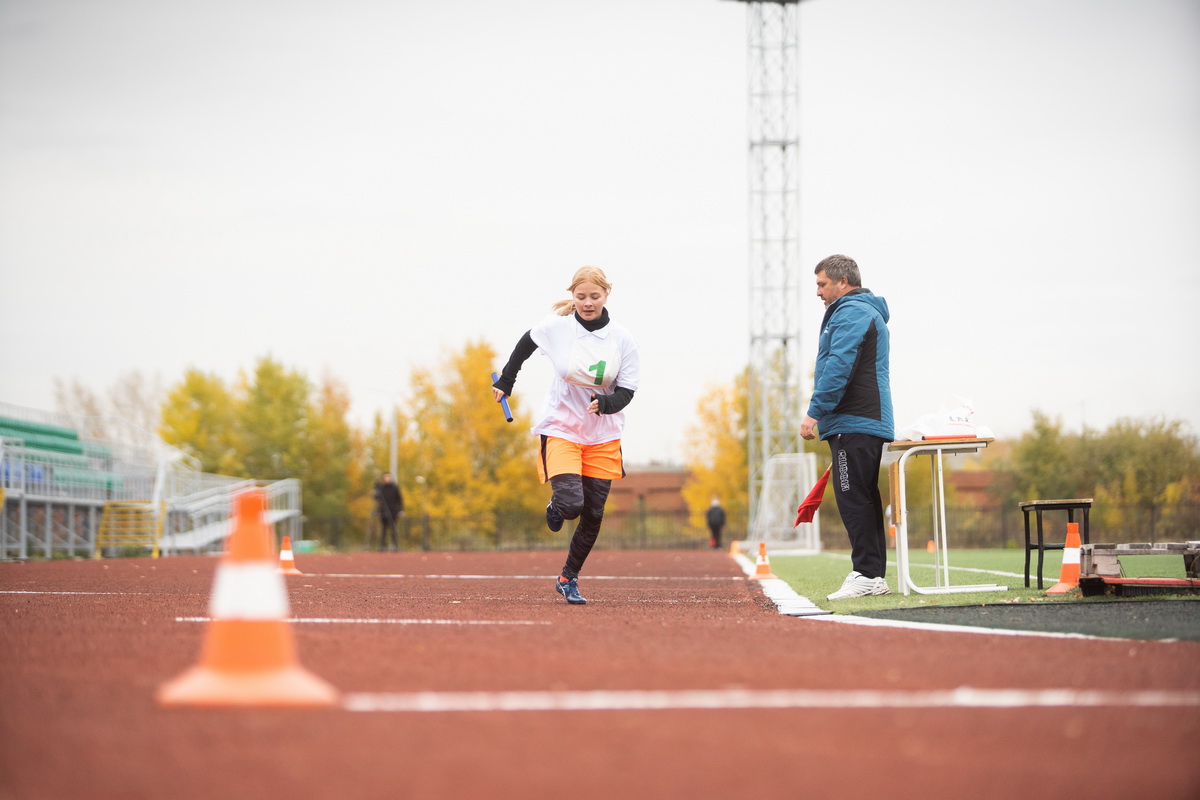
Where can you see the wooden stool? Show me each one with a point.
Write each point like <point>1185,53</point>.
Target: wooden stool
<point>1039,506</point>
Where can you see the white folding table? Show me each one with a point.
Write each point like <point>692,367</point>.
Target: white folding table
<point>935,449</point>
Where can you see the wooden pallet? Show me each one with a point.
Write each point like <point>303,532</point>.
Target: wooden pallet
<point>1103,559</point>
<point>1095,585</point>
<point>1100,569</point>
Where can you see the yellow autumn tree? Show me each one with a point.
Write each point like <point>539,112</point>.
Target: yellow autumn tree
<point>716,454</point>
<point>199,417</point>
<point>474,465</point>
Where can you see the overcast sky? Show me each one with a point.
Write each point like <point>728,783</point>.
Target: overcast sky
<point>358,188</point>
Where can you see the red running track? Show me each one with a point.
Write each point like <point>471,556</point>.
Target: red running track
<point>606,692</point>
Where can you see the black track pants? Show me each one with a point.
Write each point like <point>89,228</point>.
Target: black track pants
<point>855,480</point>
<point>582,497</point>
<point>388,526</point>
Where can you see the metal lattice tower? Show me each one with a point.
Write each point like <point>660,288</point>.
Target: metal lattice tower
<point>775,392</point>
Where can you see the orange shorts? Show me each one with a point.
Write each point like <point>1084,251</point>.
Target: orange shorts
<point>560,457</point>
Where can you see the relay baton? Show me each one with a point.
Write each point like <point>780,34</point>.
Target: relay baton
<point>503,401</point>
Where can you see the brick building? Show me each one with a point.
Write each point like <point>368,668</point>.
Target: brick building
<point>650,487</point>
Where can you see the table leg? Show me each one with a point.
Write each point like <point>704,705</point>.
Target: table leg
<point>1041,548</point>
<point>941,548</point>
<point>905,582</point>
<point>1025,513</point>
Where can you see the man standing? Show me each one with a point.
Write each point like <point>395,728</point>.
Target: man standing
<point>391,508</point>
<point>716,521</point>
<point>852,405</point>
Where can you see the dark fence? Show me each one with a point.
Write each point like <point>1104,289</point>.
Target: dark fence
<point>1004,526</point>
<point>641,530</point>
<point>967,526</point>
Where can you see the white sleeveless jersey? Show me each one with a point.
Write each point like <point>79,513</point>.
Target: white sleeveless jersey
<point>586,363</point>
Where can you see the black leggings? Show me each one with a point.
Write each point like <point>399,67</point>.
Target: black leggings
<point>578,496</point>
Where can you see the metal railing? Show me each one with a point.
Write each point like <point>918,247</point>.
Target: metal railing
<point>198,523</point>
<point>52,503</point>
<point>59,472</point>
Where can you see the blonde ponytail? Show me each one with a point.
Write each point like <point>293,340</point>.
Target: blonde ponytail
<point>582,275</point>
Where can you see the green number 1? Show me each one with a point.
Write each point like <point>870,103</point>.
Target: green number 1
<point>598,368</point>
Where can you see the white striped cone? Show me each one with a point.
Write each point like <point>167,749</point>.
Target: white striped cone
<point>249,656</point>
<point>762,568</point>
<point>287,561</point>
<point>1069,576</point>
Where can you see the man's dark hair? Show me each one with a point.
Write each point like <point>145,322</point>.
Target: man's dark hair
<point>838,267</point>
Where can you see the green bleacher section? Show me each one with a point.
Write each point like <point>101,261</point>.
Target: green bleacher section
<point>63,492</point>
<point>71,458</point>
<point>52,438</point>
<point>37,428</point>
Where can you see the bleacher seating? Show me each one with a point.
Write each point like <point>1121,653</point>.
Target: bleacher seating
<point>57,454</point>
<point>64,492</point>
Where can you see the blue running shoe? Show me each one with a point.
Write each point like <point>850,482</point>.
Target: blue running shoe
<point>570,590</point>
<point>554,520</point>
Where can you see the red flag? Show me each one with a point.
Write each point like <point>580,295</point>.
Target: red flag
<point>809,507</point>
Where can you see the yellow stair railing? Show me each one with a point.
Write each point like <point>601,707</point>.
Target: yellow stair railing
<point>130,524</point>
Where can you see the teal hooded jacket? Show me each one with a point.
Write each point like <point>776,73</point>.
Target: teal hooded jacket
<point>851,385</point>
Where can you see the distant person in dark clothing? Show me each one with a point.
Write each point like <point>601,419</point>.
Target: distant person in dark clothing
<point>391,508</point>
<point>716,521</point>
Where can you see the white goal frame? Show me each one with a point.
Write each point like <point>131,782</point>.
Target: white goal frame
<point>787,481</point>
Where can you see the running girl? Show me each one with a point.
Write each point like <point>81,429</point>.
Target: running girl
<point>596,361</point>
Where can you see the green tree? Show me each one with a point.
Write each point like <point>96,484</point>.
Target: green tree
<point>1145,462</point>
<point>1133,462</point>
<point>1142,475</point>
<point>1147,471</point>
<point>1045,463</point>
<point>273,424</point>
<point>329,459</point>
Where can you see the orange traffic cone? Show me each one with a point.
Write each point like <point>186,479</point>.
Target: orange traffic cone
<point>249,657</point>
<point>931,546</point>
<point>762,569</point>
<point>733,548</point>
<point>287,561</point>
<point>1068,577</point>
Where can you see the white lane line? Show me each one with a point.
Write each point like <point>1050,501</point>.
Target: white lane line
<point>331,620</point>
<point>794,605</point>
<point>849,619</point>
<point>734,699</point>
<point>846,557</point>
<point>20,591</point>
<point>786,600</point>
<point>519,577</point>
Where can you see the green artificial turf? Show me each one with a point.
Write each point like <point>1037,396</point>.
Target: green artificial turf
<point>816,576</point>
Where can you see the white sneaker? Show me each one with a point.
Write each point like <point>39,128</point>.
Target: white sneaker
<point>858,585</point>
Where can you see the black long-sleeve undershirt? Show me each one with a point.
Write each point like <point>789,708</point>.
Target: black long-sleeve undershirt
<point>609,403</point>
<point>520,354</point>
